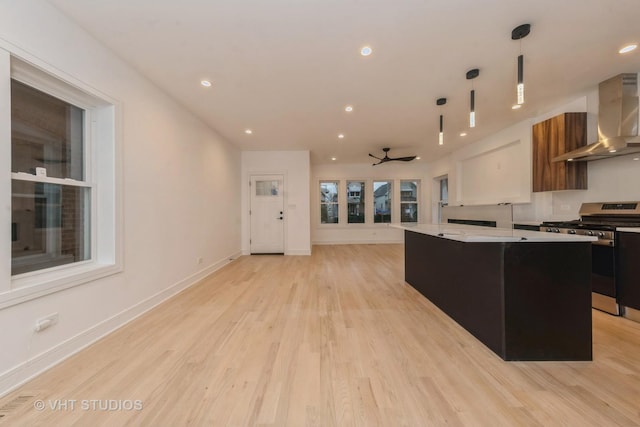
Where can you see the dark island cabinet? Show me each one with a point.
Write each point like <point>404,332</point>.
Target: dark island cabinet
<point>552,138</point>
<point>628,269</point>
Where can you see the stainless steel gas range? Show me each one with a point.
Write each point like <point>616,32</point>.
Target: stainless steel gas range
<point>601,220</point>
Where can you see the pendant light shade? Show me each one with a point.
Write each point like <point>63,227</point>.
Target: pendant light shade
<point>519,33</point>
<point>472,74</point>
<point>441,101</point>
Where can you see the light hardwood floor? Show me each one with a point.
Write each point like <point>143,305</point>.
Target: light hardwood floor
<point>334,339</point>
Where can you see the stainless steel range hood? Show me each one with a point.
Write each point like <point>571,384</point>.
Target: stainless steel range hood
<point>617,122</point>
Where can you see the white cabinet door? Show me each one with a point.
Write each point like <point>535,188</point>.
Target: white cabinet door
<point>267,214</point>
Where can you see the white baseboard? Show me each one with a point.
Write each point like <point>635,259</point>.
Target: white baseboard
<point>20,374</point>
<point>360,242</point>
<point>301,252</point>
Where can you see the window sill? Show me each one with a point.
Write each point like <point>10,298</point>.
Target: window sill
<point>29,286</point>
<point>357,225</point>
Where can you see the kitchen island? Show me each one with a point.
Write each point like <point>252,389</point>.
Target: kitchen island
<point>628,271</point>
<point>526,295</point>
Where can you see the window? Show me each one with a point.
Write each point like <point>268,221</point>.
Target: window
<point>329,202</point>
<point>409,201</point>
<point>65,180</point>
<point>382,201</point>
<point>444,196</point>
<point>50,197</point>
<point>355,202</point>
<point>268,188</point>
<point>444,191</point>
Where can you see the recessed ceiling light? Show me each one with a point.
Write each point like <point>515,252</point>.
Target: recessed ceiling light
<point>569,160</point>
<point>341,135</point>
<point>613,150</point>
<point>248,131</point>
<point>333,158</point>
<point>205,83</point>
<point>348,108</point>
<point>366,51</point>
<point>636,158</point>
<point>628,48</point>
<point>463,134</point>
<point>516,106</point>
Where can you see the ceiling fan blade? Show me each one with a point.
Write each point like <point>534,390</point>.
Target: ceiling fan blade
<point>386,157</point>
<point>404,159</point>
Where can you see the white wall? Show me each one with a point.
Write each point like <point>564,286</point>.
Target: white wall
<point>611,180</point>
<point>179,203</point>
<point>493,170</point>
<point>295,166</point>
<point>369,232</point>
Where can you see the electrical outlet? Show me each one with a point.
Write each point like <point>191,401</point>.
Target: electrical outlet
<point>46,322</point>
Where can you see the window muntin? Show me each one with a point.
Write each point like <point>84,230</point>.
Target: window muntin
<point>409,201</point>
<point>329,202</point>
<point>355,202</point>
<point>51,212</point>
<point>382,201</point>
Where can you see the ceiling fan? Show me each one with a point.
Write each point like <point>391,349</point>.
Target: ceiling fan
<point>386,157</point>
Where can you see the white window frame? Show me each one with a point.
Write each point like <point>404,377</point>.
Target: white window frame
<point>102,141</point>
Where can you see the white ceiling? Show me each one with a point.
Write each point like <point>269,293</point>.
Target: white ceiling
<point>287,68</point>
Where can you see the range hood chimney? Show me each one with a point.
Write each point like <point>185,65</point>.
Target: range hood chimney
<point>617,122</point>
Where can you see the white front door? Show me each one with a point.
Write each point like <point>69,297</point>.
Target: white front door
<point>267,214</point>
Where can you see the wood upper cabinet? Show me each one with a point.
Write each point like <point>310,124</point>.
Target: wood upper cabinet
<point>552,138</point>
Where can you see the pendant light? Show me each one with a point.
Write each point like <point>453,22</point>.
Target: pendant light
<point>472,74</point>
<point>441,101</point>
<point>519,33</point>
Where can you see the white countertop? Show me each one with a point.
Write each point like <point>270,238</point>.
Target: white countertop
<point>629,229</point>
<point>471,233</point>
